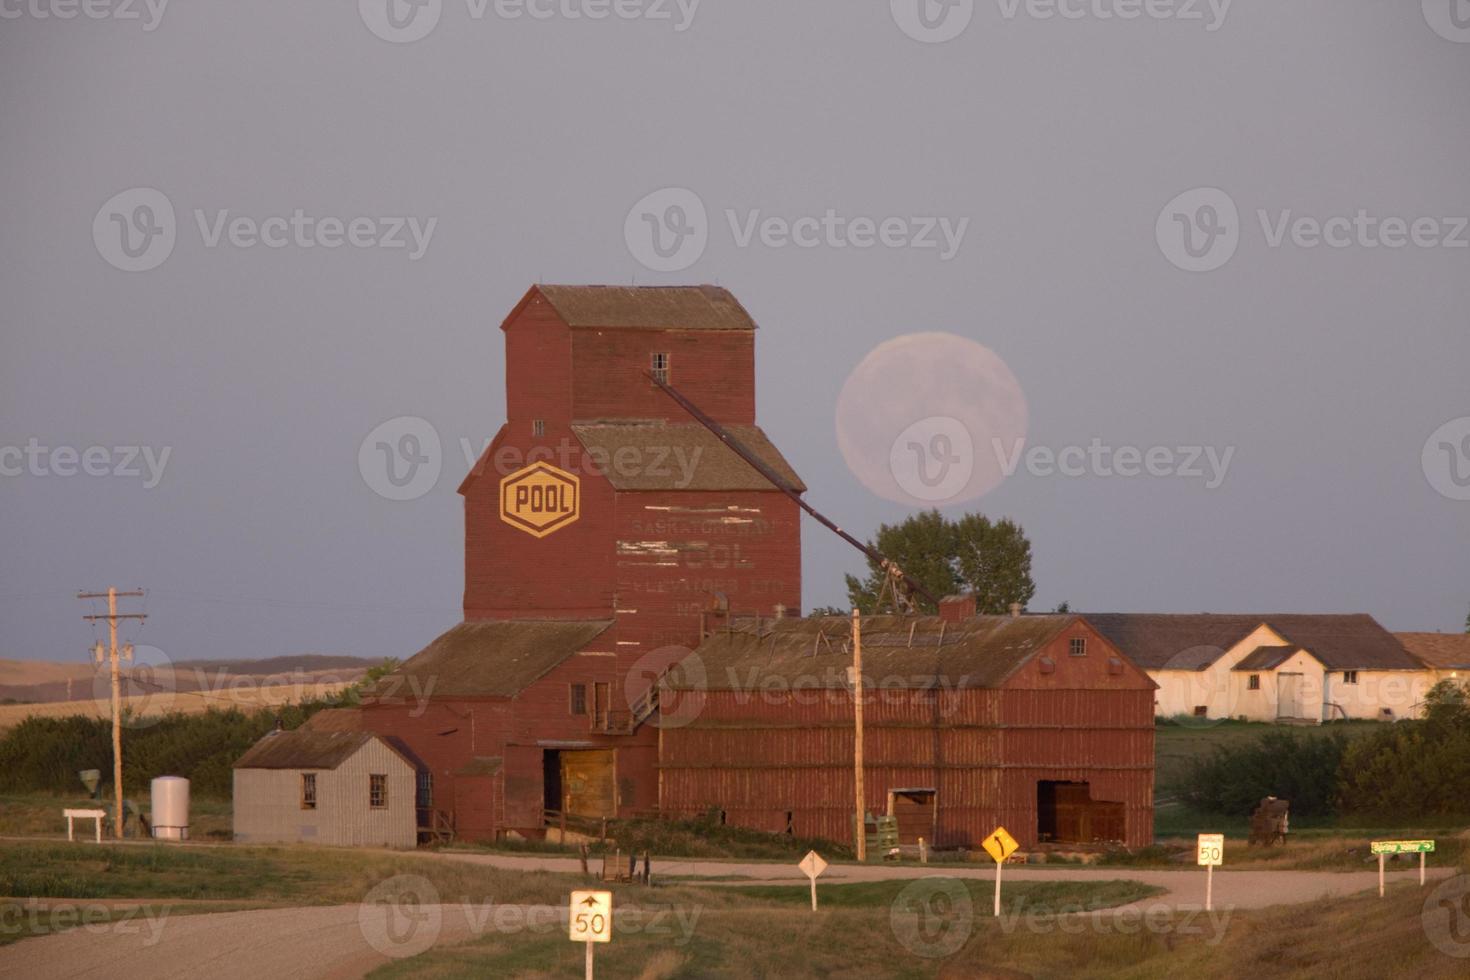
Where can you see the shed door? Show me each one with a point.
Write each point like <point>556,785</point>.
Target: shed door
<point>914,810</point>
<point>589,783</point>
<point>1288,695</point>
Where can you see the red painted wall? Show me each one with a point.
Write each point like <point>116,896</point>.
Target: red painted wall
<point>759,754</point>
<point>715,369</point>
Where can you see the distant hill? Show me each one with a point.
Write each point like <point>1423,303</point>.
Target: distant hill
<point>35,681</point>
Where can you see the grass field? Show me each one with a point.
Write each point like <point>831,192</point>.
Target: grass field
<point>247,698</point>
<point>39,814</point>
<point>1352,939</point>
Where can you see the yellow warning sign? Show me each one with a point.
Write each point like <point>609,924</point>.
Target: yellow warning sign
<point>1000,845</point>
<point>540,499</point>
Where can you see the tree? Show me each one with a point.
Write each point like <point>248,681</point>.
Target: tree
<point>1467,622</point>
<point>974,554</point>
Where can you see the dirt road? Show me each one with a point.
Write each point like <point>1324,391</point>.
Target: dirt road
<point>341,942</point>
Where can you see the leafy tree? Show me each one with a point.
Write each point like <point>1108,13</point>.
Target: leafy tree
<point>1065,607</point>
<point>1467,622</point>
<point>974,554</point>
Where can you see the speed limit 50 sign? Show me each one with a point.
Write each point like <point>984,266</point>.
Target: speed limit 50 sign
<point>589,918</point>
<point>1211,851</point>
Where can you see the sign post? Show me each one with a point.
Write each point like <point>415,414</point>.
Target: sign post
<point>999,845</point>
<point>1209,852</point>
<point>589,920</point>
<point>1385,847</point>
<point>812,866</point>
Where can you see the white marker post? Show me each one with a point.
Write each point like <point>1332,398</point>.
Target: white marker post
<point>999,845</point>
<point>1209,852</point>
<point>589,920</point>
<point>812,866</point>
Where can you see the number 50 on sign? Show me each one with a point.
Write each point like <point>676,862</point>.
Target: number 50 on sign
<point>589,918</point>
<point>1211,850</point>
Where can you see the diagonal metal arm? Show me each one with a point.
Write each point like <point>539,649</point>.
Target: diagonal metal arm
<point>891,569</point>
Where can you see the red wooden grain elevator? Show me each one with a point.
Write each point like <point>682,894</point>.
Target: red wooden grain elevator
<point>600,524</point>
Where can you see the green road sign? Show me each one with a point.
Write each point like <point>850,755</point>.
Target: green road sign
<point>1403,847</point>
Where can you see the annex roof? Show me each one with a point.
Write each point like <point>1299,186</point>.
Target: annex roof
<point>981,651</point>
<point>489,658</point>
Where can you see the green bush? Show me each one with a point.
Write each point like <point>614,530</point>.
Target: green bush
<point>45,754</point>
<point>1299,768</point>
<point>1415,768</point>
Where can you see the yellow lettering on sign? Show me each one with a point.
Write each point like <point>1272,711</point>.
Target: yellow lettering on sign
<point>540,499</point>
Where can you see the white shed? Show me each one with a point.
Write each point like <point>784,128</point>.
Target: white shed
<point>347,788</point>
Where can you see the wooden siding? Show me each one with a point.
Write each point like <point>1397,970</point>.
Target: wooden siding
<point>759,754</point>
<point>267,803</point>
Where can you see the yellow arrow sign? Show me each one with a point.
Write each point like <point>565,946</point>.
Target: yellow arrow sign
<point>1000,845</point>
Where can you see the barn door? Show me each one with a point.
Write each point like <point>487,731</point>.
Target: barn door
<point>589,783</point>
<point>1288,695</point>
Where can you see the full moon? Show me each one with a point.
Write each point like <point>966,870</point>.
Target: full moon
<point>931,419</point>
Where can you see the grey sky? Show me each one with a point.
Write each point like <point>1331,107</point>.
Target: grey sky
<point>1061,140</point>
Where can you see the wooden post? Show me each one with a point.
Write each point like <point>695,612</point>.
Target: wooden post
<point>857,758</point>
<point>1209,887</point>
<point>112,617</point>
<point>1380,874</point>
<point>1421,869</point>
<point>998,866</point>
<point>590,944</point>
<point>814,893</point>
<point>116,709</point>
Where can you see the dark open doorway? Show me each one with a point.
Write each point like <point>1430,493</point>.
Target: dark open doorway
<point>1067,813</point>
<point>551,779</point>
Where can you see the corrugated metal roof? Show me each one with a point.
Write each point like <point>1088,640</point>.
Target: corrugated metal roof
<point>981,651</point>
<point>1442,651</point>
<point>648,307</point>
<point>1353,641</point>
<point>489,658</point>
<point>682,457</point>
<point>302,749</point>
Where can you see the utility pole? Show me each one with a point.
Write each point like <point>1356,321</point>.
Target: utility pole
<point>112,595</point>
<point>857,756</point>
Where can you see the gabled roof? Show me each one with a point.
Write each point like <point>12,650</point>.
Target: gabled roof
<point>682,457</point>
<point>981,651</point>
<point>1440,651</point>
<point>1352,641</point>
<point>646,307</point>
<point>1266,658</point>
<point>302,749</point>
<point>488,658</point>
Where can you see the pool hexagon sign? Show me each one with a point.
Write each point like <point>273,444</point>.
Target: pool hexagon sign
<point>540,499</point>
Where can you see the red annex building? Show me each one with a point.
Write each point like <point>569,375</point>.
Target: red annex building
<point>608,534</point>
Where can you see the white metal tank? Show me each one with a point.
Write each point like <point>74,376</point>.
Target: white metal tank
<point>171,808</point>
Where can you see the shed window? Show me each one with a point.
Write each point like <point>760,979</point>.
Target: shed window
<point>579,699</point>
<point>425,796</point>
<point>538,427</point>
<point>1078,647</point>
<point>1350,677</point>
<point>658,366</point>
<point>1254,682</point>
<point>308,791</point>
<point>378,791</point>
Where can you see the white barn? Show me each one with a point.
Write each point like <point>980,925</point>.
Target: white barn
<point>347,788</point>
<point>1288,667</point>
